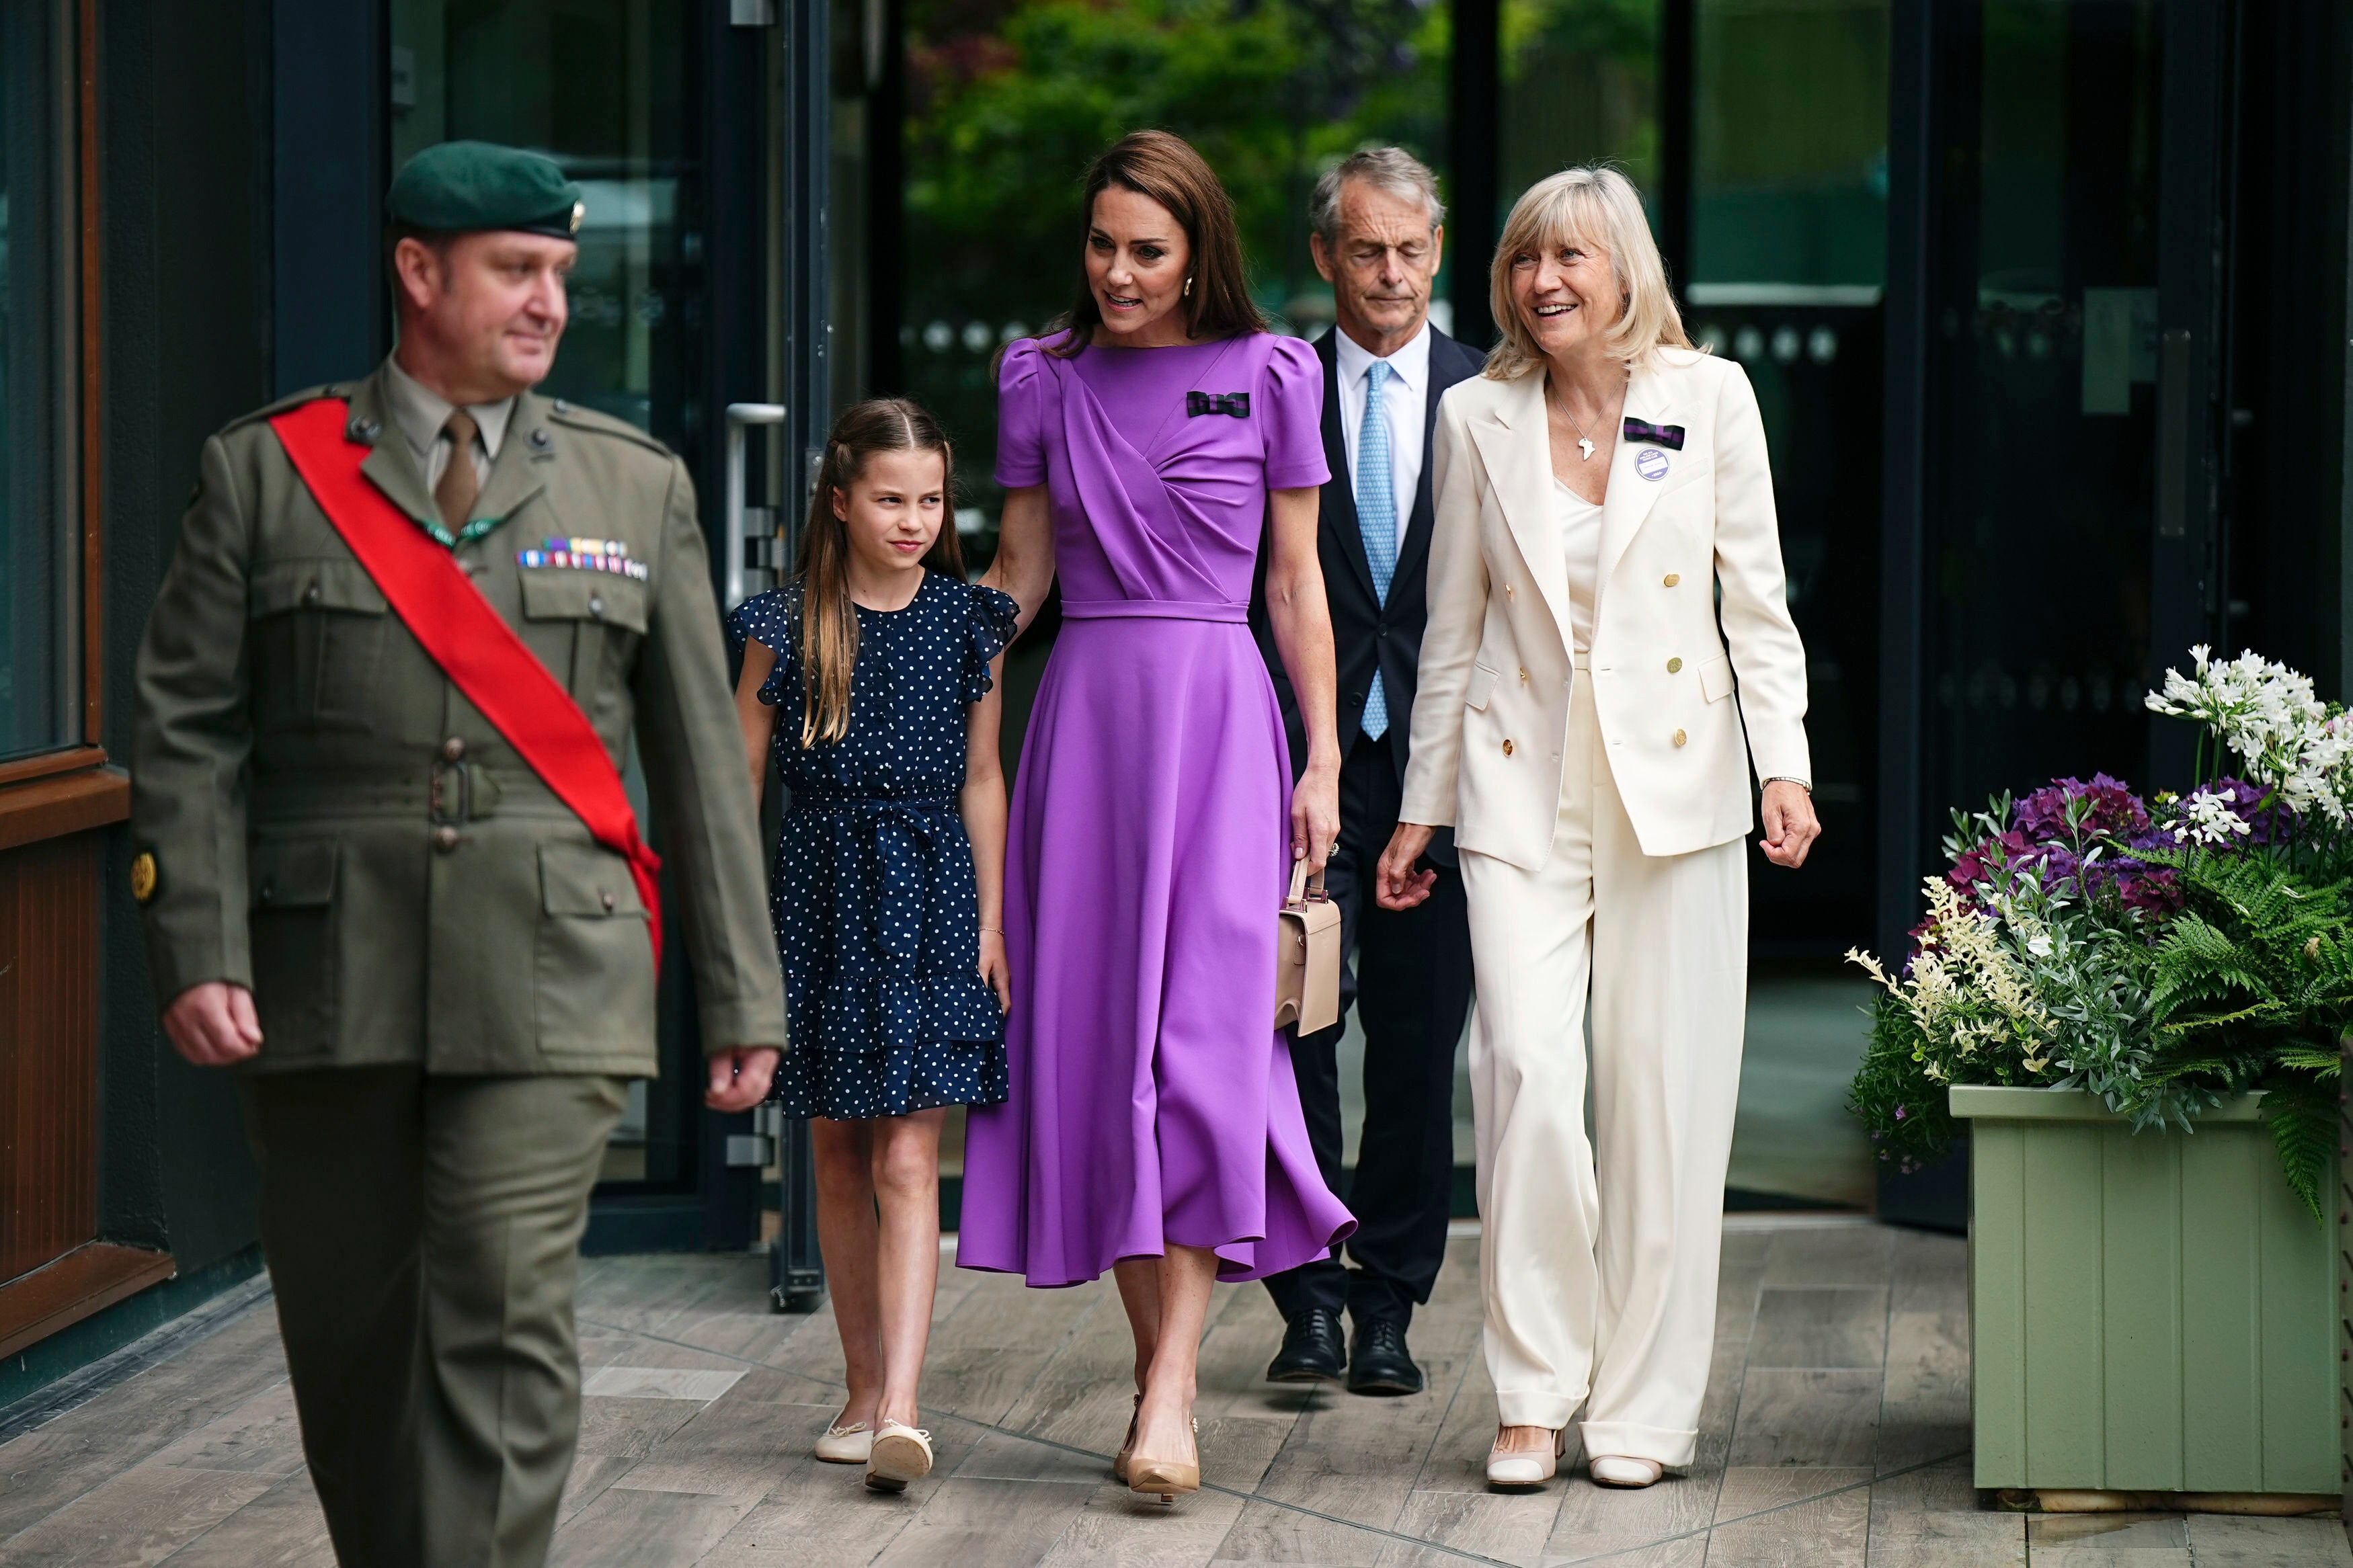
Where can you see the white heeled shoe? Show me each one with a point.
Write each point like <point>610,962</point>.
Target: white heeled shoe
<point>1507,1468</point>
<point>850,1445</point>
<point>1617,1470</point>
<point>901,1454</point>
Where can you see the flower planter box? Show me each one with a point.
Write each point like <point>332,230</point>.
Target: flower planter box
<point>2149,1312</point>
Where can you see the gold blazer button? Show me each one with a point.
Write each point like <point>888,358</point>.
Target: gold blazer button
<point>1523,675</point>
<point>1672,578</point>
<point>1674,667</point>
<point>1507,748</point>
<point>1681,737</point>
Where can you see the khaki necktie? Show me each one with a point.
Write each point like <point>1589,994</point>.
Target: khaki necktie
<point>459,487</point>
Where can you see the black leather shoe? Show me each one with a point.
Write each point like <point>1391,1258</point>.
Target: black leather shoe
<point>1311,1349</point>
<point>1378,1361</point>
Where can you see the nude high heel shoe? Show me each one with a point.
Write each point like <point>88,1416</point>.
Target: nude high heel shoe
<point>1508,1468</point>
<point>1167,1479</point>
<point>1126,1445</point>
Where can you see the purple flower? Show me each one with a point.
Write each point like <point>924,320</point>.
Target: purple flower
<point>1899,1113</point>
<point>2114,809</point>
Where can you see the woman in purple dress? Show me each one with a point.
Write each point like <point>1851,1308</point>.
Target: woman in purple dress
<point>1154,1126</point>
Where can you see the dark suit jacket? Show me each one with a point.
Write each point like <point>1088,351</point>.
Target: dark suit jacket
<point>1366,633</point>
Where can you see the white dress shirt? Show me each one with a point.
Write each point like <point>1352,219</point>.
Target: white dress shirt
<point>1405,403</point>
<point>421,413</point>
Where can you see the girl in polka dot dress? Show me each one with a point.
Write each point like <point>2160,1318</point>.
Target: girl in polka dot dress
<point>888,884</point>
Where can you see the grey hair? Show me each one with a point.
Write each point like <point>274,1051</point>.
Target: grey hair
<point>1391,169</point>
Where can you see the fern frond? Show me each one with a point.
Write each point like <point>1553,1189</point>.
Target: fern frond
<point>2299,1117</point>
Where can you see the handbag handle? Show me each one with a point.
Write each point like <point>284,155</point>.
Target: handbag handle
<point>1303,887</point>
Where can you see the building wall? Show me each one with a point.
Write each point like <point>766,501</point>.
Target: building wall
<point>186,181</point>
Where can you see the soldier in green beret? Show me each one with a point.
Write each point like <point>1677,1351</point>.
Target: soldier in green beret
<point>389,871</point>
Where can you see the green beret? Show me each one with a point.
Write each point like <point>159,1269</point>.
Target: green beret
<point>459,187</point>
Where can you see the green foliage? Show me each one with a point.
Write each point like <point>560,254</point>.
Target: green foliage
<point>1892,1094</point>
<point>2301,1116</point>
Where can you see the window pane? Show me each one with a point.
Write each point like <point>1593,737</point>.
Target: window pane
<point>1580,85</point>
<point>603,87</point>
<point>35,576</point>
<point>1007,99</point>
<point>1790,159</point>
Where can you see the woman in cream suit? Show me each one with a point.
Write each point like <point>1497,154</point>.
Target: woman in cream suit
<point>1608,635</point>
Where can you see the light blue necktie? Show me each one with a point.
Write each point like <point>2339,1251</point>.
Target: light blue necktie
<point>1377,519</point>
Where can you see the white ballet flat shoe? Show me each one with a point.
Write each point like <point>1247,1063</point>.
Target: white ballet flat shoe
<point>901,1454</point>
<point>1509,1468</point>
<point>1617,1470</point>
<point>849,1445</point>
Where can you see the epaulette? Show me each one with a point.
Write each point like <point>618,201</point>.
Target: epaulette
<point>572,417</point>
<point>293,400</point>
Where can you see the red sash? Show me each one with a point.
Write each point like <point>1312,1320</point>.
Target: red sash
<point>471,642</point>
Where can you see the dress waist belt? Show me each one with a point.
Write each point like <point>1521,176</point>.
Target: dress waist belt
<point>812,798</point>
<point>1153,610</point>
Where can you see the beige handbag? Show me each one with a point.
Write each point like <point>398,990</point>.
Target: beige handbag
<point>1307,955</point>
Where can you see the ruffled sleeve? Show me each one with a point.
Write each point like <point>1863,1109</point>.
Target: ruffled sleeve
<point>1294,416</point>
<point>1025,387</point>
<point>988,631</point>
<point>768,619</point>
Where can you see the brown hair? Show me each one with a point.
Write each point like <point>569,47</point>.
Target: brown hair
<point>1165,168</point>
<point>829,629</point>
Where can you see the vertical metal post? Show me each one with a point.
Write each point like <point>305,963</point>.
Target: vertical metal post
<point>795,1269</point>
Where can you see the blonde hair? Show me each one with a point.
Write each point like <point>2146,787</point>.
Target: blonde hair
<point>1597,204</point>
<point>829,617</point>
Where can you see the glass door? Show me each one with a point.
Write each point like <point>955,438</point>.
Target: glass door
<point>2056,343</point>
<point>2069,538</point>
<point>658,110</point>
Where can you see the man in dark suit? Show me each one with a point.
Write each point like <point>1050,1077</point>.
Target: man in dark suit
<point>1377,228</point>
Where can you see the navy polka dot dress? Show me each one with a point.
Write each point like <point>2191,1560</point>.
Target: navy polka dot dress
<point>876,911</point>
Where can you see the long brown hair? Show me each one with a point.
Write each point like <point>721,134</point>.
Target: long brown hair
<point>1165,167</point>
<point>828,619</point>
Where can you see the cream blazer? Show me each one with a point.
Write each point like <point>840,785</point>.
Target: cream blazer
<point>1691,640</point>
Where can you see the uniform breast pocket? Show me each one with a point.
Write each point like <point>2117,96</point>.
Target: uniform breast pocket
<point>318,631</point>
<point>586,625</point>
<point>296,966</point>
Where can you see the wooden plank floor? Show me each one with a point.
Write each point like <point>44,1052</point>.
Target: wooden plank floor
<point>1836,1436</point>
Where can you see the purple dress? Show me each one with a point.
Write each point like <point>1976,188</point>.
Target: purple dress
<point>1153,1101</point>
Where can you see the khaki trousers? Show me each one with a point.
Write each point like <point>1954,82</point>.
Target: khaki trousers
<point>423,1235</point>
<point>1598,1262</point>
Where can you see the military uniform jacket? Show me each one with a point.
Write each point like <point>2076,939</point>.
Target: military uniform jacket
<point>335,825</point>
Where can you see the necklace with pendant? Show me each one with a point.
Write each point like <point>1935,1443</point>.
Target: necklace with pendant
<point>1584,442</point>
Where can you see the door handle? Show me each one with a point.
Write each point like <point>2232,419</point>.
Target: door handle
<point>2173,466</point>
<point>740,415</point>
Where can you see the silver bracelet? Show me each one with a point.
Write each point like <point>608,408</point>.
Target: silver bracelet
<point>1783,778</point>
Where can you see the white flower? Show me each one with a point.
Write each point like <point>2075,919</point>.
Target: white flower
<point>2211,820</point>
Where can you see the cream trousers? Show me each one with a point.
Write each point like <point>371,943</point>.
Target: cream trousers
<point>1597,1261</point>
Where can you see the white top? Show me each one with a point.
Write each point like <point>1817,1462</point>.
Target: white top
<point>421,413</point>
<point>1580,539</point>
<point>1405,403</point>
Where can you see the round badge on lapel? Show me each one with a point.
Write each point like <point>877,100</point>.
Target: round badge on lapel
<point>1650,463</point>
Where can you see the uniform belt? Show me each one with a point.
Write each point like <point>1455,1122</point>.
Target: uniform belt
<point>449,794</point>
<point>1580,661</point>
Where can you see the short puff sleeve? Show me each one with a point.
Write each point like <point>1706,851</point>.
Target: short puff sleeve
<point>770,619</point>
<point>989,624</point>
<point>1292,396</point>
<point>1024,395</point>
